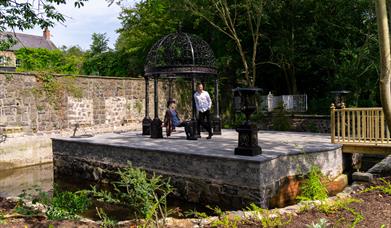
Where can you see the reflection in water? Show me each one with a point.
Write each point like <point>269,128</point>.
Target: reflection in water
<point>13,181</point>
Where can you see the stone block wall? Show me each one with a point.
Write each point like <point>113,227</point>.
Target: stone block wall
<point>299,123</point>
<point>45,103</point>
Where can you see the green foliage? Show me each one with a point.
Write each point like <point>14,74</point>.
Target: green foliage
<point>145,196</point>
<point>385,188</point>
<point>24,15</point>
<point>99,43</point>
<point>280,120</point>
<point>321,224</point>
<point>3,220</point>
<point>312,187</point>
<point>334,206</point>
<point>143,25</point>
<point>110,63</point>
<point>7,42</point>
<point>22,208</point>
<point>224,220</point>
<point>196,214</point>
<point>53,61</point>
<point>66,205</point>
<point>268,218</point>
<point>61,205</point>
<point>306,46</point>
<point>52,88</point>
<point>342,205</point>
<point>106,221</point>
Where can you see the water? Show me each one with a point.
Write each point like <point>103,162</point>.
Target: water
<point>13,181</point>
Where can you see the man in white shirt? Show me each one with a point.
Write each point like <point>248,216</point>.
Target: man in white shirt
<point>203,104</point>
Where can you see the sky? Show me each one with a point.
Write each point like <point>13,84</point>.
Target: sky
<point>96,16</point>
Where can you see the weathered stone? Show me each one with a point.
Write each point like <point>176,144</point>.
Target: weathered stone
<point>213,175</point>
<point>337,185</point>
<point>288,191</point>
<point>365,177</point>
<point>383,168</point>
<point>100,104</point>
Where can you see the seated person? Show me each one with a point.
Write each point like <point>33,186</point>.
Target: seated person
<point>172,120</point>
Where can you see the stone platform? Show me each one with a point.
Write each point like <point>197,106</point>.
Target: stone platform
<point>203,171</point>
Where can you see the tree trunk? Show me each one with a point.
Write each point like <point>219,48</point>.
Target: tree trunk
<point>384,45</point>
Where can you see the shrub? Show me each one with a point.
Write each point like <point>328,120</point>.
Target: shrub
<point>145,196</point>
<point>312,188</point>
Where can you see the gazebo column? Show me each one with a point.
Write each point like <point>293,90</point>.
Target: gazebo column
<point>170,80</point>
<point>217,119</point>
<point>156,125</point>
<point>147,120</point>
<point>193,122</point>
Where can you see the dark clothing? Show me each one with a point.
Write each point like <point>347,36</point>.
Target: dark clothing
<point>201,121</point>
<point>172,120</point>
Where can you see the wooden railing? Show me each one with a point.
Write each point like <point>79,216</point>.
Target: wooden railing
<point>359,126</point>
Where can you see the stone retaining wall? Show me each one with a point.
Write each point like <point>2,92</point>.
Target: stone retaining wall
<point>210,180</point>
<point>300,123</point>
<point>35,107</point>
<point>45,103</point>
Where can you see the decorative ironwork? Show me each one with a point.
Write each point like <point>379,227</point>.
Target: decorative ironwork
<point>147,120</point>
<point>339,99</point>
<point>180,53</point>
<point>248,131</point>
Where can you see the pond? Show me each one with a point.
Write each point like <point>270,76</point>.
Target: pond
<point>13,182</point>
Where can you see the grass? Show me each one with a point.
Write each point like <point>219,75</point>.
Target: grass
<point>62,205</point>
<point>145,196</point>
<point>107,222</point>
<point>385,188</point>
<point>268,218</point>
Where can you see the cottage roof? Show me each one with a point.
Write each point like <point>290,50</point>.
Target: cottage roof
<point>29,41</point>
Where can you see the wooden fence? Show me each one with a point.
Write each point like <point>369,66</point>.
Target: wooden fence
<point>360,130</point>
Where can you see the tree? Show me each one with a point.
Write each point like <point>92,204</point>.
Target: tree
<point>230,23</point>
<point>143,25</point>
<point>53,61</point>
<point>22,15</point>
<point>385,67</point>
<point>26,15</point>
<point>99,43</point>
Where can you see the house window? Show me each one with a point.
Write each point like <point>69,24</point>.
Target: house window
<point>17,62</point>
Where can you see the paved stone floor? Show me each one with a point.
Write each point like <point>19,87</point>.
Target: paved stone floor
<point>273,143</point>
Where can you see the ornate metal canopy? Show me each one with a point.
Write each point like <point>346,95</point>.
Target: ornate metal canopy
<point>180,54</point>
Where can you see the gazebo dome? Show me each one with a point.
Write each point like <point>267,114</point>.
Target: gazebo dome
<point>180,54</point>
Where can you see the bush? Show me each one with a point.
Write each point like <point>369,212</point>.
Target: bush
<point>145,196</point>
<point>312,188</point>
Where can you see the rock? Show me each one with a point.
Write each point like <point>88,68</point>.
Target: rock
<point>383,168</point>
<point>287,193</point>
<point>348,190</point>
<point>365,177</point>
<point>343,195</point>
<point>337,185</point>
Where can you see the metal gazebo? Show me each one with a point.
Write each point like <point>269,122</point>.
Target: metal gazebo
<point>178,55</point>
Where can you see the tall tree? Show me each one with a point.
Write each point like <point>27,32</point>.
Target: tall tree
<point>231,22</point>
<point>385,72</point>
<point>100,43</point>
<point>143,24</point>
